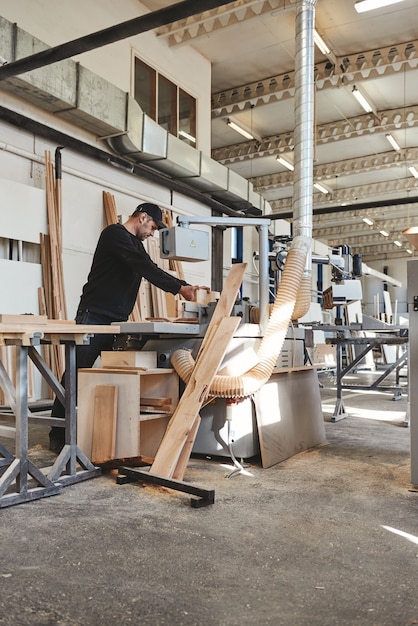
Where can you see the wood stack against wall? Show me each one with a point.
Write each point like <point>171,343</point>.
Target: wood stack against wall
<point>52,297</point>
<point>151,302</point>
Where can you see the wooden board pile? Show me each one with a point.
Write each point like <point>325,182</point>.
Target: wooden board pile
<point>51,297</point>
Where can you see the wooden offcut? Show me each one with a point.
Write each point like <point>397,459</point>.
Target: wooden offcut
<point>104,423</point>
<point>194,395</point>
<point>226,301</point>
<point>186,451</point>
<point>175,447</point>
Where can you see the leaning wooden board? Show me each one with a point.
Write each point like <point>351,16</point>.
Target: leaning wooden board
<point>178,440</point>
<point>172,455</point>
<point>182,421</point>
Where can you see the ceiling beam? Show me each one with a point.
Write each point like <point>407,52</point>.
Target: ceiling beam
<point>360,229</point>
<point>324,171</point>
<point>350,199</point>
<point>138,25</point>
<point>201,24</point>
<point>348,68</point>
<point>360,125</point>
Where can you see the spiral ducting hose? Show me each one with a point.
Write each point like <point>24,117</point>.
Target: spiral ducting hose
<point>274,336</point>
<point>293,295</point>
<point>303,301</point>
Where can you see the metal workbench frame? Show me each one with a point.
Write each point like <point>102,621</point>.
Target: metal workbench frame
<point>17,469</point>
<point>369,344</point>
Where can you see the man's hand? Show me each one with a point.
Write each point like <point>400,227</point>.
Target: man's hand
<point>188,292</point>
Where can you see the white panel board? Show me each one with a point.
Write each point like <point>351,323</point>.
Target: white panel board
<point>22,211</point>
<point>19,284</point>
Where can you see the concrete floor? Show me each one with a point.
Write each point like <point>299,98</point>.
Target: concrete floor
<point>328,537</point>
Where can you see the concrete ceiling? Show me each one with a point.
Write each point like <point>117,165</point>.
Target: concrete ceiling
<point>251,45</point>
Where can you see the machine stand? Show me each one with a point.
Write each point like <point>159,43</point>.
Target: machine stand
<point>205,496</point>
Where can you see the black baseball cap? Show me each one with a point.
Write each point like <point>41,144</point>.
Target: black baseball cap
<point>153,211</point>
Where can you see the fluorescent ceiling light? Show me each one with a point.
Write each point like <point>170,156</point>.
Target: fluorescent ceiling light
<point>409,251</point>
<point>321,188</point>
<point>384,233</point>
<point>362,100</point>
<point>370,5</point>
<point>368,221</point>
<point>413,171</point>
<point>320,43</point>
<point>239,129</point>
<point>285,163</point>
<point>393,142</point>
<point>397,243</point>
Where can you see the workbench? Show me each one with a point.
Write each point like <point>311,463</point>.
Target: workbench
<point>396,336</point>
<point>71,465</point>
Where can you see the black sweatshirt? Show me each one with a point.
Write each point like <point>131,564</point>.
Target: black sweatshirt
<point>119,263</point>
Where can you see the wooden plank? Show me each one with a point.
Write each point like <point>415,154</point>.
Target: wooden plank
<point>8,318</point>
<point>226,301</point>
<point>156,401</point>
<point>183,418</point>
<point>129,358</point>
<point>104,423</point>
<point>184,457</point>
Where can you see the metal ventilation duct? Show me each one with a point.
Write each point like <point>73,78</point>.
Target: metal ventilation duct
<point>71,91</point>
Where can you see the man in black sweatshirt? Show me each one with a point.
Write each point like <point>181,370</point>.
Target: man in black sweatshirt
<point>119,264</point>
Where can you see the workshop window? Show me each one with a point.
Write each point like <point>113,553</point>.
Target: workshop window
<point>145,88</point>
<point>166,103</point>
<point>187,117</point>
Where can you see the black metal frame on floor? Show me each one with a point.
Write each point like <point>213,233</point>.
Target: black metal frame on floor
<point>129,475</point>
<point>341,342</point>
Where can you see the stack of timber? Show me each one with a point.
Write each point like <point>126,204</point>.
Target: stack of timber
<point>52,297</point>
<point>111,217</point>
<point>151,302</point>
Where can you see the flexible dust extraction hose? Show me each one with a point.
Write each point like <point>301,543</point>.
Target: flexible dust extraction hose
<point>303,301</point>
<point>274,335</point>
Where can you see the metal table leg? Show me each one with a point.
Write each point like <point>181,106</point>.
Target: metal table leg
<point>64,470</point>
<point>14,482</point>
<point>339,410</point>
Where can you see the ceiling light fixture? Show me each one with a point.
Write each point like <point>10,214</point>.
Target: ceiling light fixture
<point>370,5</point>
<point>239,129</point>
<point>320,43</point>
<point>285,163</point>
<point>397,243</point>
<point>362,100</point>
<point>393,142</point>
<point>413,171</point>
<point>409,251</point>
<point>321,188</point>
<point>384,233</point>
<point>368,221</point>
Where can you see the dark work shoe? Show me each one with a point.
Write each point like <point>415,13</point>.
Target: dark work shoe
<point>56,439</point>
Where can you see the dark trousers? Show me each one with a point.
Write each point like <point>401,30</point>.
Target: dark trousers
<point>86,355</point>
